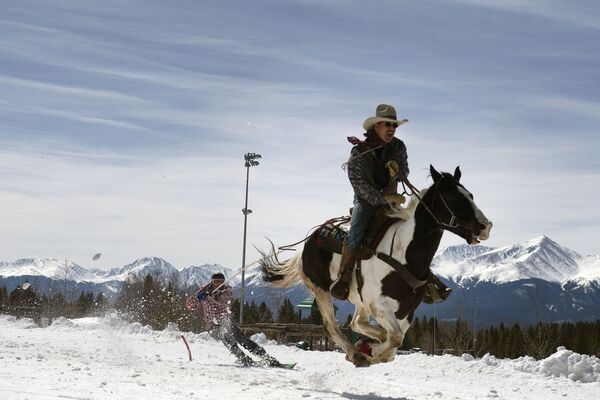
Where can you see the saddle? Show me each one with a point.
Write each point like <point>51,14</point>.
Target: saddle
<point>332,234</point>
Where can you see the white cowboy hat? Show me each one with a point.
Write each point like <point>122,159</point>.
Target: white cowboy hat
<point>383,112</point>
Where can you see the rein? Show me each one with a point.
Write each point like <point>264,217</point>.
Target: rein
<point>345,165</point>
<point>333,221</point>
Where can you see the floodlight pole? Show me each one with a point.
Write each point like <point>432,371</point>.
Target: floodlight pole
<point>250,159</point>
<point>475,322</point>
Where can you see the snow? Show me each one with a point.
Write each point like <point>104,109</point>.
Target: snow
<point>589,269</point>
<point>100,358</point>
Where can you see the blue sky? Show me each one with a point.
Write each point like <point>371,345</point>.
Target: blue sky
<point>123,124</point>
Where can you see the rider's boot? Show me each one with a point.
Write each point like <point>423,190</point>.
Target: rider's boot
<point>341,286</point>
<point>436,291</point>
<point>442,289</point>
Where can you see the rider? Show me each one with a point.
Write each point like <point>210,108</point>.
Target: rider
<point>374,169</point>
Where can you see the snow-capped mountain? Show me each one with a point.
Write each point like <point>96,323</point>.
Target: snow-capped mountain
<point>534,280</point>
<point>539,258</point>
<point>196,276</point>
<point>49,268</point>
<point>140,268</point>
<point>48,275</point>
<point>525,282</point>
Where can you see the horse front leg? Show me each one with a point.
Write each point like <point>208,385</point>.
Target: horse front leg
<point>396,329</point>
<point>325,303</point>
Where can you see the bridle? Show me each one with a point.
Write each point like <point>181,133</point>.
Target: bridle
<point>452,223</point>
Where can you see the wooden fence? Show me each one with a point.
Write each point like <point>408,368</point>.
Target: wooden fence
<point>312,334</point>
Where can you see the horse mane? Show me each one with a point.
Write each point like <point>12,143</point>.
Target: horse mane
<point>413,202</point>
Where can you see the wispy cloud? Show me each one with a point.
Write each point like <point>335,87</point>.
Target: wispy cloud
<point>67,90</point>
<point>581,13</point>
<point>123,131</point>
<point>572,107</point>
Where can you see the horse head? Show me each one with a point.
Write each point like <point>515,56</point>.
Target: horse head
<point>454,207</point>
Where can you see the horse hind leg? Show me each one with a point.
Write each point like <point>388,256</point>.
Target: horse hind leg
<point>325,303</point>
<point>360,323</point>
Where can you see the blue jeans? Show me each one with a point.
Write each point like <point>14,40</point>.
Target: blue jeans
<point>362,214</point>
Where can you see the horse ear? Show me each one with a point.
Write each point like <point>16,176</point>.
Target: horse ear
<point>434,174</point>
<point>457,174</point>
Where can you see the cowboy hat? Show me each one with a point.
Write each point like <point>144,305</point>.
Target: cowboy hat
<point>383,112</point>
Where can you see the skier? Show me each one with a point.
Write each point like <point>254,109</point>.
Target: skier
<point>216,299</point>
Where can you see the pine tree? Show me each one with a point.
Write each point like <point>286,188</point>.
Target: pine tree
<point>264,313</point>
<point>286,313</point>
<point>3,298</point>
<point>566,335</point>
<point>101,304</point>
<point>24,303</point>
<point>250,313</point>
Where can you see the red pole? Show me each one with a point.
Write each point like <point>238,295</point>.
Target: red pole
<point>188,347</point>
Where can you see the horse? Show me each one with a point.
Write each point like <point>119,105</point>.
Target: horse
<point>388,292</point>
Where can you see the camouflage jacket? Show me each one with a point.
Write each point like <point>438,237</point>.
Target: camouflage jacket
<point>368,175</point>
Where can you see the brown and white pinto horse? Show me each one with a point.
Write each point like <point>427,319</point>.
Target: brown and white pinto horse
<point>385,295</point>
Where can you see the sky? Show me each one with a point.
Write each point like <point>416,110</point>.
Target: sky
<point>123,124</point>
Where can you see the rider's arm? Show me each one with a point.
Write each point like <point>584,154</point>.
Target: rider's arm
<point>402,160</point>
<point>222,295</point>
<point>356,172</point>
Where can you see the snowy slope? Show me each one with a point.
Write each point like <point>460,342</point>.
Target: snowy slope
<point>589,269</point>
<point>107,358</point>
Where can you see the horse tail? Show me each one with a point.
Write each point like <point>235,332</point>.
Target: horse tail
<point>280,274</point>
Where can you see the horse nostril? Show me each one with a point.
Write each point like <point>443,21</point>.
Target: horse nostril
<point>481,226</point>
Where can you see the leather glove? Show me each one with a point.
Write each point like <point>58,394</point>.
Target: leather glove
<point>392,167</point>
<point>394,200</point>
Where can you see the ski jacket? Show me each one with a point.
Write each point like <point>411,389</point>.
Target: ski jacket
<point>368,175</point>
<point>216,306</point>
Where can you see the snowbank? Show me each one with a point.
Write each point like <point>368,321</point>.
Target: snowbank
<point>563,363</point>
<point>23,323</point>
<point>115,323</point>
<point>261,339</point>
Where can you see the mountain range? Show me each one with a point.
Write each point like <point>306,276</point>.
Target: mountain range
<point>526,282</point>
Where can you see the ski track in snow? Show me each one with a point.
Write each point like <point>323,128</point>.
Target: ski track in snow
<point>107,358</point>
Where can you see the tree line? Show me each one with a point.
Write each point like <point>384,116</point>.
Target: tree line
<point>148,301</point>
<point>538,341</point>
<point>25,303</point>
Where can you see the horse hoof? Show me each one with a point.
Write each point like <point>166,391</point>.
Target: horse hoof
<point>359,360</point>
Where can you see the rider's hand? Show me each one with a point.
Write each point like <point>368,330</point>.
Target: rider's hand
<point>192,303</point>
<point>201,295</point>
<point>392,167</point>
<point>394,200</point>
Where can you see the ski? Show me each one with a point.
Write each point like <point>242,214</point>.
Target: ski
<point>285,366</point>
